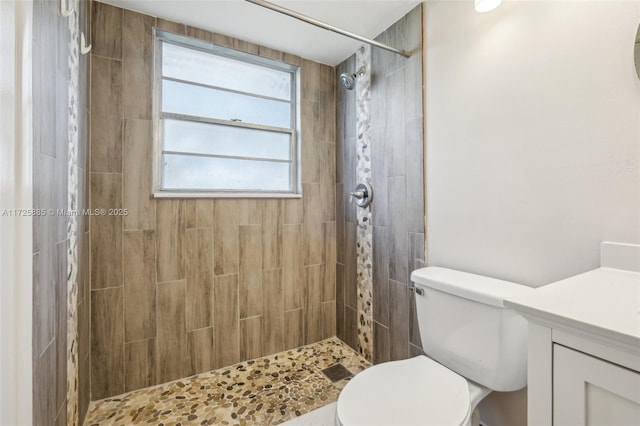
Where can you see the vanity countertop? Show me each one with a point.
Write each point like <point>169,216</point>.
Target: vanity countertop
<point>603,302</point>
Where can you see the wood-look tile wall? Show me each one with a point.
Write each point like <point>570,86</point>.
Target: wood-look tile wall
<point>180,286</point>
<point>397,181</point>
<point>50,234</point>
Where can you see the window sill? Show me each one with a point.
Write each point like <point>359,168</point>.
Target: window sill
<point>167,194</point>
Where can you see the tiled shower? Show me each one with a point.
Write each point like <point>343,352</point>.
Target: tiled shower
<point>179,287</point>
<point>184,286</point>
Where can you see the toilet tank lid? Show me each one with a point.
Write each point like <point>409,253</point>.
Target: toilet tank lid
<point>490,291</point>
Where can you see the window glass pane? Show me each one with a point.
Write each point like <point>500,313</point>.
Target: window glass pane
<point>206,173</point>
<point>213,70</point>
<point>188,99</point>
<point>203,138</point>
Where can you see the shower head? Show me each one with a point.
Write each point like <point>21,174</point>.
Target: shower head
<point>349,80</point>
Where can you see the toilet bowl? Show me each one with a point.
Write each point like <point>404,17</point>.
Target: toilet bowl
<point>474,345</point>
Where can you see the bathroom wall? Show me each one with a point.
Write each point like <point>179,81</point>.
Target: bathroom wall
<point>180,286</point>
<point>52,191</point>
<point>533,137</point>
<point>397,179</point>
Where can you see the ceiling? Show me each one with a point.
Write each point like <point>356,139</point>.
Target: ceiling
<point>249,22</point>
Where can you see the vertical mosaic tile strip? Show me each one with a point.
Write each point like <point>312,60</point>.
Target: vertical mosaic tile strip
<point>364,237</point>
<point>72,224</point>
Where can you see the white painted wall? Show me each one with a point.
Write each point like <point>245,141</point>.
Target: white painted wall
<point>533,136</point>
<point>15,232</point>
<point>533,142</point>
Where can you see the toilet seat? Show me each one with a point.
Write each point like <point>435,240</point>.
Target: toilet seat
<point>416,391</point>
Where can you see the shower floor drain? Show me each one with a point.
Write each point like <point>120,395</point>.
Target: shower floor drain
<point>336,372</point>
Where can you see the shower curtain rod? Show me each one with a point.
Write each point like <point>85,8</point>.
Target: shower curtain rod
<point>326,26</point>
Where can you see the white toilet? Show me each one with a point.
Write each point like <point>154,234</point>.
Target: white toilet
<point>474,345</point>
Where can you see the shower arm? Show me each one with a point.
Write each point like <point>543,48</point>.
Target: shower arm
<point>326,26</point>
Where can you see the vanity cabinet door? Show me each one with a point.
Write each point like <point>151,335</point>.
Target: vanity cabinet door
<point>590,391</point>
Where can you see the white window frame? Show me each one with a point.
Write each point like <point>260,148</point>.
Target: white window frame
<point>160,37</point>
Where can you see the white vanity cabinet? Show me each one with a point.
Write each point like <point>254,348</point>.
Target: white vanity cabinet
<point>584,345</point>
<point>590,391</point>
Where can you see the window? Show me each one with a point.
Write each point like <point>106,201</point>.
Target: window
<point>226,122</point>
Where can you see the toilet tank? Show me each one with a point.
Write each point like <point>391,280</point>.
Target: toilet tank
<point>465,326</point>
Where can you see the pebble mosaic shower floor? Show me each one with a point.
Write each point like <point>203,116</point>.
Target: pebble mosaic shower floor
<point>265,391</point>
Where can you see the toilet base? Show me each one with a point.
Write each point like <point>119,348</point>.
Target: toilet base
<point>476,394</point>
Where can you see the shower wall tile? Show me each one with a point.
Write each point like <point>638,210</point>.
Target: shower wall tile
<point>394,135</point>
<point>137,64</point>
<point>140,364</point>
<point>351,326</point>
<point>107,342</point>
<point>249,211</point>
<point>340,149</point>
<point>61,319</point>
<point>415,351</point>
<point>311,84</point>
<point>263,51</point>
<point>293,328</point>
<point>44,297</point>
<point>84,349</point>
<point>340,306</point>
<point>139,256</point>
<point>327,181</point>
<point>398,320</point>
<point>199,273</point>
<point>340,222</point>
<point>199,213</point>
<point>106,231</point>
<point>174,27</point>
<point>222,40</point>
<point>328,279</point>
<point>292,211</point>
<point>226,320</point>
<point>381,348</point>
<point>397,237</point>
<point>414,329</point>
<point>328,319</point>
<point>379,180</point>
<point>311,146</point>
<point>226,237</point>
<point>106,115</point>
<point>271,234</point>
<point>251,338</point>
<point>350,181</point>
<point>137,35</point>
<point>44,385</point>
<point>136,166</point>
<point>293,266</point>
<point>61,418</point>
<point>272,311</point>
<point>350,267</point>
<point>201,348</point>
<point>413,88</point>
<point>313,243</point>
<point>415,176</point>
<point>313,304</point>
<point>199,34</point>
<point>312,223</point>
<point>380,276</point>
<point>171,339</point>
<point>250,284</point>
<point>207,282</point>
<point>107,31</point>
<point>416,252</point>
<point>169,240</point>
